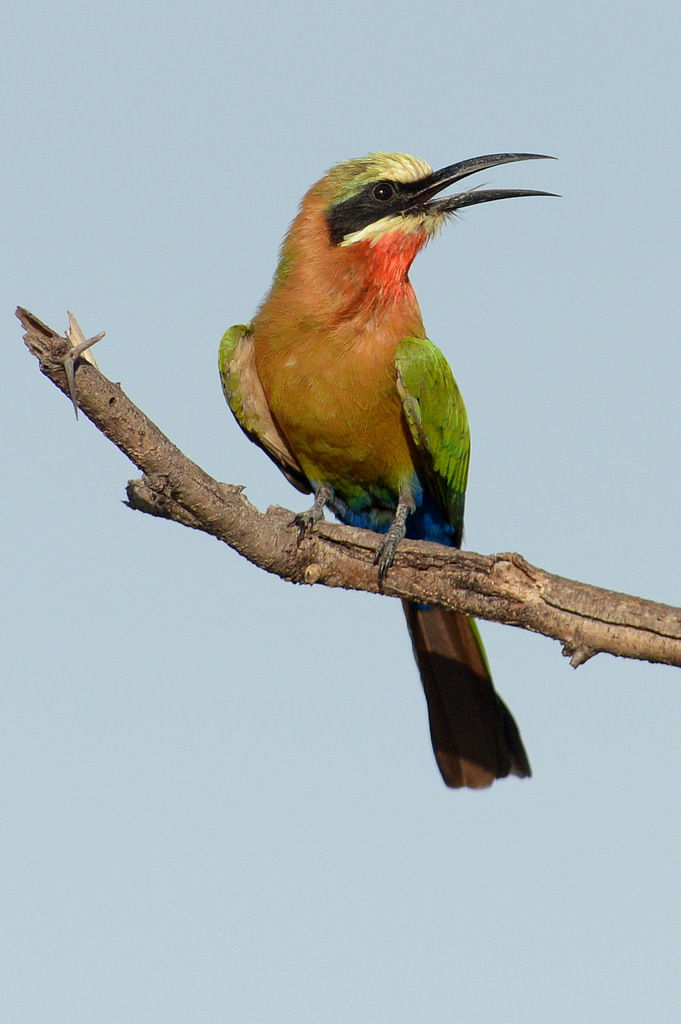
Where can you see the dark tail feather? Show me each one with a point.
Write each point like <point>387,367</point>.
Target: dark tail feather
<point>474,736</point>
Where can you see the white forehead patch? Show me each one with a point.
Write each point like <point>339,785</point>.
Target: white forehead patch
<point>402,167</point>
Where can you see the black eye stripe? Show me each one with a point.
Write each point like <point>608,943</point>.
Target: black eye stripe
<point>376,200</point>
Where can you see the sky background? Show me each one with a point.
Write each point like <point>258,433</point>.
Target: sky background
<point>218,797</point>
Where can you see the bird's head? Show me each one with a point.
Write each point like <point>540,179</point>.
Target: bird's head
<point>372,197</point>
<point>362,224</point>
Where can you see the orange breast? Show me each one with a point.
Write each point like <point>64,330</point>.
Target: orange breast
<point>335,398</point>
<point>325,341</point>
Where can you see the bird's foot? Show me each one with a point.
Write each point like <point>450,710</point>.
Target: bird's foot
<point>79,349</point>
<point>387,549</point>
<point>385,555</point>
<point>305,521</point>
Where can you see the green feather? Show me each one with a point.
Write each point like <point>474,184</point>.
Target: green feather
<point>229,377</point>
<point>436,415</point>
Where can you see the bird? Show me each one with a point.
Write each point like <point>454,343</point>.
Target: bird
<point>337,381</point>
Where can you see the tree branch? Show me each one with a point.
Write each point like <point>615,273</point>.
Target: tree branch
<point>503,588</point>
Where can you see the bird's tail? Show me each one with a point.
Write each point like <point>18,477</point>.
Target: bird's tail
<point>475,738</point>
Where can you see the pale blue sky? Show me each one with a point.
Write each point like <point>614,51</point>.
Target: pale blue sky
<point>219,801</point>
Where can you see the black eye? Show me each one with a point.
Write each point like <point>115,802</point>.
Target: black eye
<point>384,190</point>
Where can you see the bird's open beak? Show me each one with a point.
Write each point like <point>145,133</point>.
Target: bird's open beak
<point>426,188</point>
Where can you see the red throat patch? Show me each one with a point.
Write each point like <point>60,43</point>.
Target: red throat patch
<point>389,257</point>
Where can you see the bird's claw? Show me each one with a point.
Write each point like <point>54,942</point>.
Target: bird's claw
<point>79,349</point>
<point>385,555</point>
<point>387,549</point>
<point>306,521</point>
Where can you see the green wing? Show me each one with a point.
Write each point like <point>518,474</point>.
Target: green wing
<point>245,397</point>
<point>437,419</point>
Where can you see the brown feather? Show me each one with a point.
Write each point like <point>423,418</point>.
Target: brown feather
<point>475,738</point>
